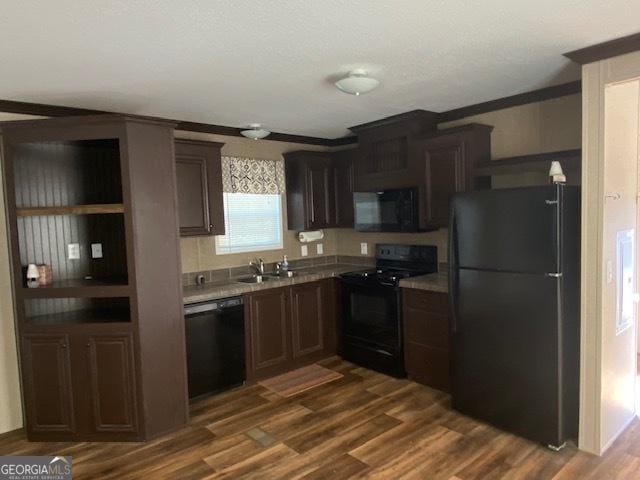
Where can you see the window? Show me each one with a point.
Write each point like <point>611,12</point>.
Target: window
<point>253,222</point>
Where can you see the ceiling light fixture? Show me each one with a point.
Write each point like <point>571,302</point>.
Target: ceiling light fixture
<point>255,131</point>
<point>357,82</point>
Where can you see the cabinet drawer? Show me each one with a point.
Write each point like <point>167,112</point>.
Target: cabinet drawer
<point>428,365</point>
<point>426,328</point>
<point>432,302</point>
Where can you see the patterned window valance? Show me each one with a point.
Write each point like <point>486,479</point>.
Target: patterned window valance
<point>252,175</point>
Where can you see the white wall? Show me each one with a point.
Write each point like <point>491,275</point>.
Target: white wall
<point>611,134</point>
<point>10,398</point>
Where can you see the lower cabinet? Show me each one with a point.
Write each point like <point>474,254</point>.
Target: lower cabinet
<point>426,337</point>
<point>289,327</point>
<point>268,340</point>
<point>307,318</point>
<point>47,383</point>
<point>109,358</point>
<point>80,384</point>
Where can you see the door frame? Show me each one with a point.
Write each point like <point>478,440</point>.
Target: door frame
<point>595,77</point>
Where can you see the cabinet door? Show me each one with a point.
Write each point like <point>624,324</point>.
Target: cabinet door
<point>199,182</point>
<point>343,187</point>
<point>444,176</point>
<point>267,314</point>
<point>320,201</point>
<point>112,382</point>
<point>308,314</point>
<point>427,337</point>
<point>46,365</point>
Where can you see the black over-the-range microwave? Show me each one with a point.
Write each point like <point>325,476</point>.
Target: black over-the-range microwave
<point>386,211</point>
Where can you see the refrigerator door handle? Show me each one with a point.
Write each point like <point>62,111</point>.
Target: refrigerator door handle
<point>453,269</point>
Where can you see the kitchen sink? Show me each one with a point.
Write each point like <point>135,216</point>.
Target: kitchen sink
<point>253,279</point>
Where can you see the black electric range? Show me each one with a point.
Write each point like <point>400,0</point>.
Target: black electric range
<point>372,306</point>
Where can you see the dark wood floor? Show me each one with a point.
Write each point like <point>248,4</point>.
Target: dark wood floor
<point>365,425</point>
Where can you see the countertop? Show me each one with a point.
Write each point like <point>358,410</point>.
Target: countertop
<point>231,288</point>
<point>434,282</point>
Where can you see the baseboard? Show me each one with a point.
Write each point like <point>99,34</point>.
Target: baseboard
<point>617,435</point>
<point>10,433</point>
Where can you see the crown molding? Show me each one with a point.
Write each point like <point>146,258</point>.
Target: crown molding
<point>547,93</point>
<point>39,109</point>
<point>604,50</point>
<point>539,95</point>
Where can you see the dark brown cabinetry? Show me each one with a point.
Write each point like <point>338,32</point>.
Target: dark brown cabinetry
<point>343,177</point>
<point>267,313</point>
<point>82,384</point>
<point>387,157</point>
<point>102,348</point>
<point>110,365</point>
<point>289,327</point>
<point>426,332</point>
<point>319,189</point>
<point>448,157</point>
<point>46,373</point>
<point>308,317</point>
<point>199,183</point>
<point>408,150</point>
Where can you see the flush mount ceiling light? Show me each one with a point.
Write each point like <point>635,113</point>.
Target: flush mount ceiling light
<point>357,82</point>
<point>255,131</point>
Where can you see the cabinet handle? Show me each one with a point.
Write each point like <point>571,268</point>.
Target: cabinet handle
<point>88,344</point>
<point>211,226</point>
<point>63,345</point>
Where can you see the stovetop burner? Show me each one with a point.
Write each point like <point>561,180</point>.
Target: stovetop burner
<point>384,272</point>
<point>395,262</point>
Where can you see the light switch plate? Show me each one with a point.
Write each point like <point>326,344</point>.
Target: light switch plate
<point>96,250</point>
<point>319,249</point>
<point>304,250</point>
<point>364,249</point>
<point>73,251</point>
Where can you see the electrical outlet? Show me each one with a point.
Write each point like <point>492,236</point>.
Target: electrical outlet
<point>364,248</point>
<point>73,251</point>
<point>319,249</point>
<point>304,250</point>
<point>96,250</point>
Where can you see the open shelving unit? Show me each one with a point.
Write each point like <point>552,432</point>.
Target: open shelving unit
<point>70,192</point>
<point>101,347</point>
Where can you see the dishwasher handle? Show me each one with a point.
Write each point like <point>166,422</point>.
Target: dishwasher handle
<point>216,305</point>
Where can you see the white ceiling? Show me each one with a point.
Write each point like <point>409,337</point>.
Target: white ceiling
<point>233,62</point>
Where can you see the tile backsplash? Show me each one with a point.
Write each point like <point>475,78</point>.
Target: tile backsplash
<point>225,273</point>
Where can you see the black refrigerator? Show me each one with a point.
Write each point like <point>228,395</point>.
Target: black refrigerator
<point>514,286</point>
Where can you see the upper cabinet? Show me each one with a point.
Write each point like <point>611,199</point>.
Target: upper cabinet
<point>319,189</point>
<point>448,157</point>
<point>343,179</point>
<point>199,182</point>
<point>387,157</point>
<point>408,150</point>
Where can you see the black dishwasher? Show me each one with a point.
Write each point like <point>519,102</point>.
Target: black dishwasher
<point>215,345</point>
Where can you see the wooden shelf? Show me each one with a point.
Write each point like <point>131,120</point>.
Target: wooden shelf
<point>570,159</point>
<point>95,209</point>
<point>81,288</point>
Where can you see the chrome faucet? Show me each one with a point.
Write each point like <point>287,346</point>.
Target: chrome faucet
<point>259,266</point>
